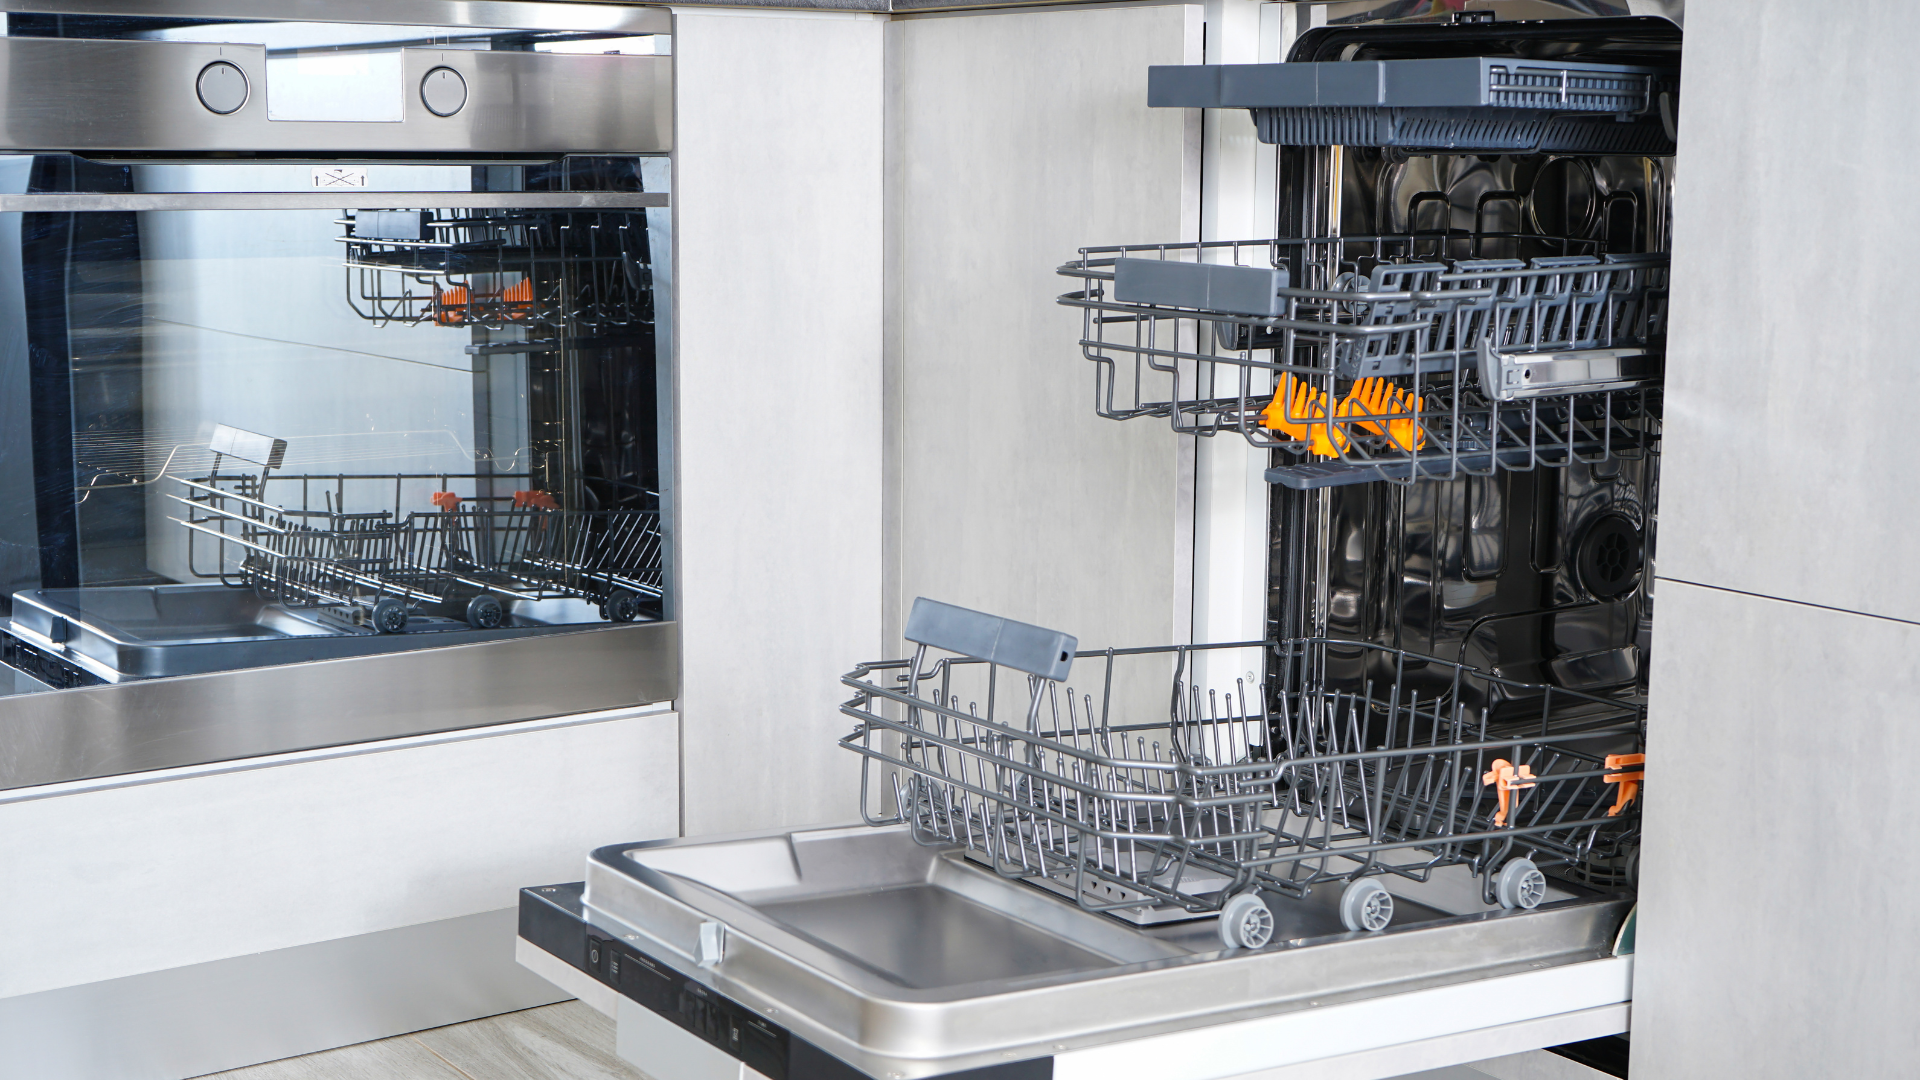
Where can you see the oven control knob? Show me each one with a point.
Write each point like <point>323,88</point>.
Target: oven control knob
<point>222,87</point>
<point>443,91</point>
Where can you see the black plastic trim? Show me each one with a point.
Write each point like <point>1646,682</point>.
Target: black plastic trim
<point>553,918</point>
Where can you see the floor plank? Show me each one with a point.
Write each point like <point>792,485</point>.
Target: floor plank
<point>401,1058</point>
<point>568,1041</point>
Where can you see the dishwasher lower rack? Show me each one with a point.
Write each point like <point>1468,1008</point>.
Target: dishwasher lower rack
<point>1349,762</point>
<point>1406,357</point>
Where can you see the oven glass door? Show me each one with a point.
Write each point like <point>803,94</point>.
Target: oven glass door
<point>262,413</point>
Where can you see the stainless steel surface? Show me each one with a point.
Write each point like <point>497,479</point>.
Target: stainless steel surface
<point>486,14</point>
<point>96,731</point>
<point>126,95</point>
<point>155,631</point>
<point>331,199</point>
<point>223,1014</point>
<point>1029,976</point>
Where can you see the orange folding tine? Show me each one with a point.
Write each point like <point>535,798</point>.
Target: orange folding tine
<point>1290,408</point>
<point>1629,782</point>
<point>1299,411</point>
<point>1509,778</point>
<point>537,499</point>
<point>1371,401</point>
<point>445,500</point>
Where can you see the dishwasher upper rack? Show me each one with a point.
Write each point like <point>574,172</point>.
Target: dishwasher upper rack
<point>586,270</point>
<point>1512,364</point>
<point>467,558</point>
<point>1276,788</point>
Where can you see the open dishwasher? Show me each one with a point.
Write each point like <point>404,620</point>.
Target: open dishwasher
<point>1411,812</point>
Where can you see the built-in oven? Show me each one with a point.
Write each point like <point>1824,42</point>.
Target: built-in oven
<point>335,373</point>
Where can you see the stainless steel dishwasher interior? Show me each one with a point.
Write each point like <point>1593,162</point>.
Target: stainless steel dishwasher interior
<point>914,960</point>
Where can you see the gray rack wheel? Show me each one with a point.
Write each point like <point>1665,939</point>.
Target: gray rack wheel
<point>1366,905</point>
<point>622,606</point>
<point>485,612</point>
<point>389,616</point>
<point>1245,922</point>
<point>1520,885</point>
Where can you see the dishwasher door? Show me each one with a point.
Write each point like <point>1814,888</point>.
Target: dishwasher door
<point>850,952</point>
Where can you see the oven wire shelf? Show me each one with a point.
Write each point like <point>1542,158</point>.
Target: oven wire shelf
<point>585,271</point>
<point>1292,781</point>
<point>291,539</point>
<point>1405,358</point>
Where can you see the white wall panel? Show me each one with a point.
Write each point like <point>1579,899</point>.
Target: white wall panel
<point>778,339</point>
<point>118,881</point>
<point>1018,138</point>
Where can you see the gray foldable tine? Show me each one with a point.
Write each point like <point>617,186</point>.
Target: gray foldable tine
<point>1021,646</point>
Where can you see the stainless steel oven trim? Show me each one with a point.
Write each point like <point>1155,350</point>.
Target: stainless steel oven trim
<point>483,14</point>
<point>97,731</point>
<point>331,199</point>
<point>327,753</point>
<point>78,94</point>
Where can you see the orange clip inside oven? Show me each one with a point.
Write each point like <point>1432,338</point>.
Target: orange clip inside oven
<point>445,500</point>
<point>1508,778</point>
<point>450,305</point>
<point>1629,782</point>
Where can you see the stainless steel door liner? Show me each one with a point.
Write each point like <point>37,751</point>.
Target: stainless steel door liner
<point>904,960</point>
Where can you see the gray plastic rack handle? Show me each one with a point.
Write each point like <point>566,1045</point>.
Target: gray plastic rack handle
<point>1021,646</point>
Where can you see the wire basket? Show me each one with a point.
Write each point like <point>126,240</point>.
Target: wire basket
<point>588,271</point>
<point>1344,762</point>
<point>1402,357</point>
<point>290,538</point>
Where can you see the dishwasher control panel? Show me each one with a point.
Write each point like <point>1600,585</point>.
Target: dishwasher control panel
<point>732,1027</point>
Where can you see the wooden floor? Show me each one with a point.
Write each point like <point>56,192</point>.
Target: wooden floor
<point>568,1041</point>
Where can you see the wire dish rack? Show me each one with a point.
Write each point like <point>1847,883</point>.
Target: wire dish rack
<point>497,270</point>
<point>291,539</point>
<point>1403,358</point>
<point>1150,798</point>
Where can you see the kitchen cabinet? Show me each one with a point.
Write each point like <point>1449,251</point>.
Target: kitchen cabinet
<point>1775,892</point>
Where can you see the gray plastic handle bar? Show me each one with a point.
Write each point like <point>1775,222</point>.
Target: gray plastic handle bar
<point>1021,646</point>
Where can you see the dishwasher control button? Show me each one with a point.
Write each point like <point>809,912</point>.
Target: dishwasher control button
<point>443,91</point>
<point>222,87</point>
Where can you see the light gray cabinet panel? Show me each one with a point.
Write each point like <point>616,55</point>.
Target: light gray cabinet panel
<point>1793,380</point>
<point>1777,936</point>
<point>778,263</point>
<point>1017,138</point>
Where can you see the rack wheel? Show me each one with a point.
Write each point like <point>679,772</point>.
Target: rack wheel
<point>1366,905</point>
<point>1520,885</point>
<point>1245,922</point>
<point>485,612</point>
<point>622,606</point>
<point>389,616</point>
